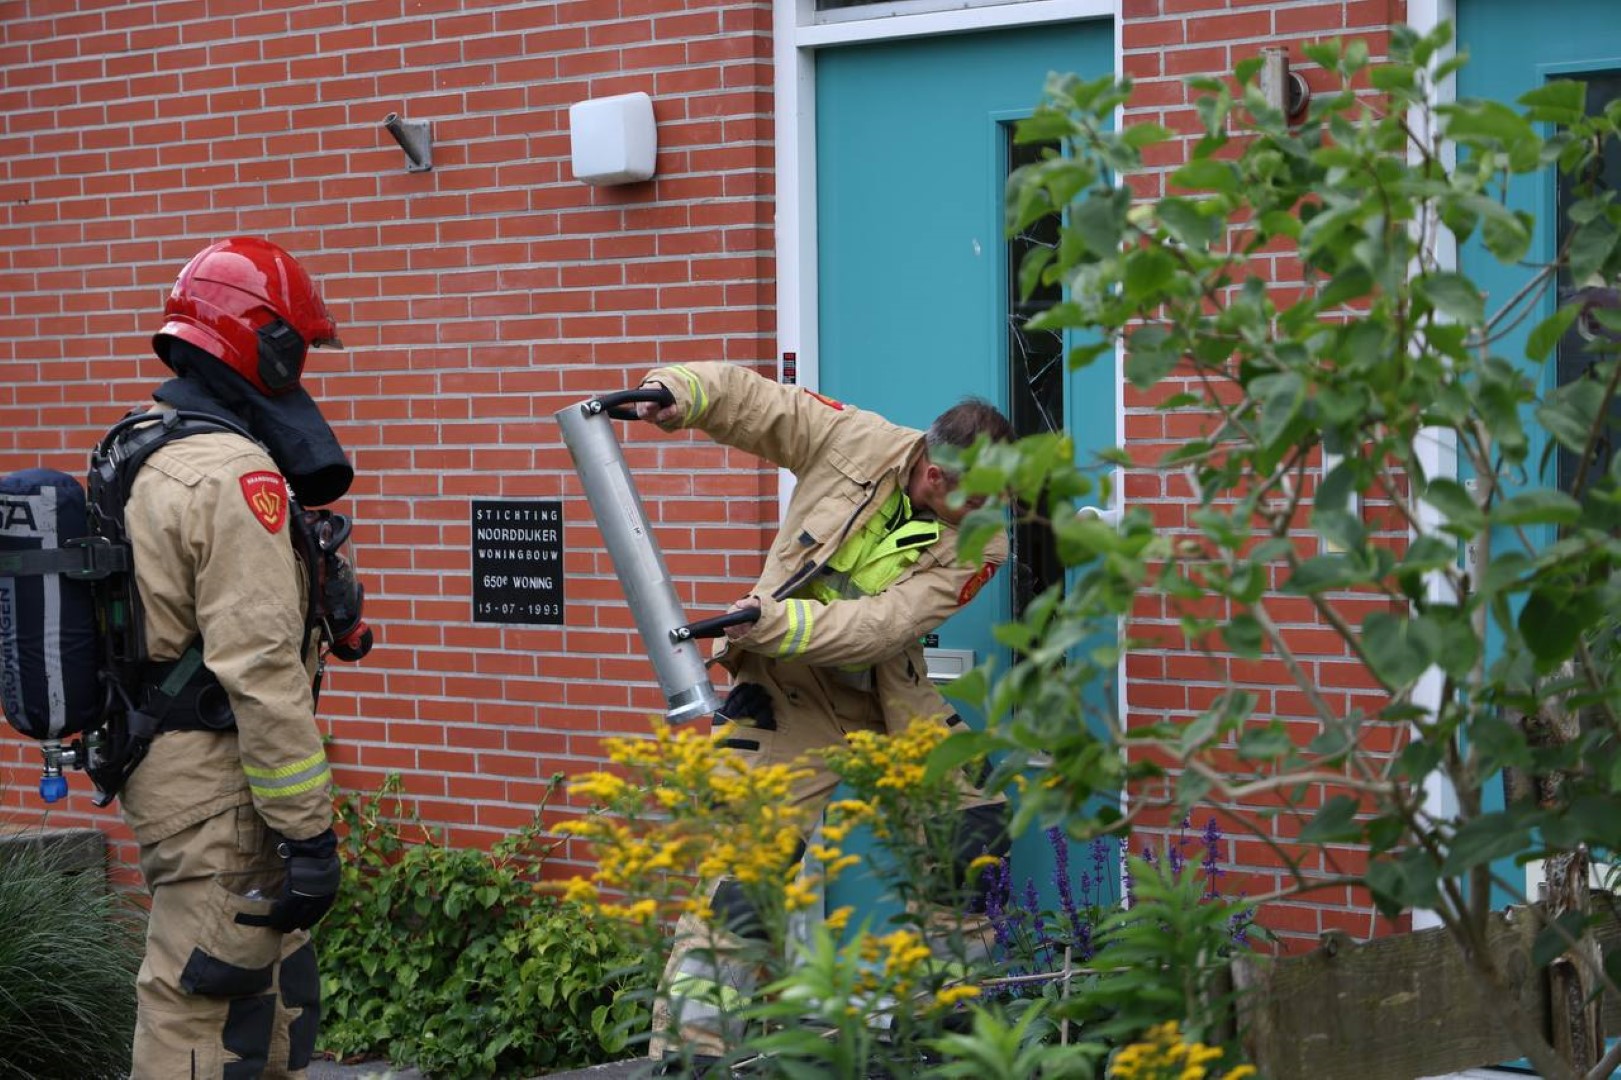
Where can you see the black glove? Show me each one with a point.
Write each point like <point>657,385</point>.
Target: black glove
<point>311,887</point>
<point>748,705</point>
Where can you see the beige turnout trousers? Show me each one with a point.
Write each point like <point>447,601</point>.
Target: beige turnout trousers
<point>217,1000</point>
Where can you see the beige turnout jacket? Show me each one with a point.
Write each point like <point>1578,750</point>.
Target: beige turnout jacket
<point>847,462</point>
<point>207,516</point>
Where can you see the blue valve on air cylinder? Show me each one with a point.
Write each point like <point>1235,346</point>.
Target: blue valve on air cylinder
<point>53,786</point>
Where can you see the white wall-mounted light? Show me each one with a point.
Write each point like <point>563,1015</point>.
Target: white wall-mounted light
<point>613,140</point>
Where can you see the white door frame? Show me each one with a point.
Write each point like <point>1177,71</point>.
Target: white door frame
<point>1437,454</point>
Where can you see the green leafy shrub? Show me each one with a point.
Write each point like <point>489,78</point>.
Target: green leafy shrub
<point>460,961</point>
<point>68,959</point>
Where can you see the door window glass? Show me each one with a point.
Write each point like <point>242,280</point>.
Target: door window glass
<point>1035,375</point>
<point>1574,360</point>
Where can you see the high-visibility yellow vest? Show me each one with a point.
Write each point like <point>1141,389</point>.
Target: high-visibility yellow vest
<point>876,555</point>
<point>870,560</point>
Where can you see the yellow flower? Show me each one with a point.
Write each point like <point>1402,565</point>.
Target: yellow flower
<point>982,864</point>
<point>599,787</point>
<point>640,911</point>
<point>840,865</point>
<point>798,896</point>
<point>1164,1054</point>
<point>905,952</point>
<point>953,994</point>
<point>838,920</point>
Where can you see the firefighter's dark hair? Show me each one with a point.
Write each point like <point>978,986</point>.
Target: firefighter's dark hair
<point>966,421</point>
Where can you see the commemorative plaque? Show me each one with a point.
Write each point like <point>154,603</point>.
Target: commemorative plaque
<point>518,561</point>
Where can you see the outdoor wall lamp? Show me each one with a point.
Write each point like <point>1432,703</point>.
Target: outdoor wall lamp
<point>1284,89</point>
<point>613,140</point>
<point>415,138</point>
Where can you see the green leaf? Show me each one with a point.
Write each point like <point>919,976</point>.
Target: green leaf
<point>1265,743</point>
<point>1485,839</point>
<point>1100,221</point>
<point>1590,247</point>
<point>1148,272</point>
<point>1571,412</point>
<point>1399,649</point>
<point>1429,553</point>
<point>1453,500</point>
<point>1557,101</point>
<point>1150,356</point>
<point>1244,636</point>
<point>1554,939</point>
<point>1546,334</point>
<point>958,750</point>
<point>1323,573</point>
<point>1350,283</point>
<point>1207,174</point>
<point>1486,122</point>
<point>971,686</point>
<point>1138,135</point>
<point>1345,531</point>
<point>1540,506</point>
<point>1552,622</point>
<point>1035,261</point>
<point>1280,223</point>
<point>1389,77</point>
<point>1404,881</point>
<point>1281,397</point>
<point>1187,224</point>
<point>1459,650</point>
<point>1191,788</point>
<point>1454,296</point>
<point>1325,55</point>
<point>1507,236</point>
<point>1334,823</point>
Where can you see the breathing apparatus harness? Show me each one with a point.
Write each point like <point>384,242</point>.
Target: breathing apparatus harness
<point>141,698</point>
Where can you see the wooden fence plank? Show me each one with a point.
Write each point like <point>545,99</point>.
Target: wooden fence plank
<point>1390,1009</point>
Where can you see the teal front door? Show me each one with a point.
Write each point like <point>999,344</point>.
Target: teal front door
<point>913,147</point>
<point>1514,47</point>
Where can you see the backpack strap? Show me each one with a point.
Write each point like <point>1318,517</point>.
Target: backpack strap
<point>84,558</point>
<point>145,699</point>
<point>126,446</point>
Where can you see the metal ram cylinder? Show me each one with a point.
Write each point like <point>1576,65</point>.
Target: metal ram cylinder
<point>611,492</point>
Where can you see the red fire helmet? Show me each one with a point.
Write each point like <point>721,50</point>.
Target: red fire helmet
<point>249,304</point>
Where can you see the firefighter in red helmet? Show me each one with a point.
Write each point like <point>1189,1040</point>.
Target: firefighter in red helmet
<point>231,804</point>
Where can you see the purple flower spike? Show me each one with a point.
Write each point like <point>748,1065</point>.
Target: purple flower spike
<point>1211,863</point>
<point>1103,870</point>
<point>1066,892</point>
<point>994,910</point>
<point>1038,925</point>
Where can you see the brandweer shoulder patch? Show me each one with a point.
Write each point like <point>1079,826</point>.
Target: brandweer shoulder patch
<point>972,586</point>
<point>266,495</point>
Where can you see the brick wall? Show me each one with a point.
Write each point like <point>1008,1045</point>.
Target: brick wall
<point>1165,42</point>
<point>475,301</point>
